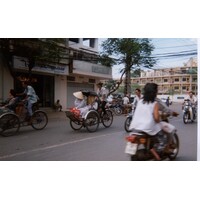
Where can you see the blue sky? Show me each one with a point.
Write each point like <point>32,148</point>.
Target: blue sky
<point>170,52</point>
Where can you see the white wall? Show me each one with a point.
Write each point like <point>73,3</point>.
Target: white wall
<point>61,90</point>
<point>175,98</point>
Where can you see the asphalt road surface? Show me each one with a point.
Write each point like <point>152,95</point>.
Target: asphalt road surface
<point>58,142</point>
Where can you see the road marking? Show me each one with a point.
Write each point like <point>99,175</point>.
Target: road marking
<point>56,145</point>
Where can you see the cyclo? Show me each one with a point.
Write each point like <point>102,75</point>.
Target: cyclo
<point>93,117</point>
<point>11,121</point>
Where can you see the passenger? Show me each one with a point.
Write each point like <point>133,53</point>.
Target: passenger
<point>91,104</point>
<point>79,101</point>
<point>11,101</point>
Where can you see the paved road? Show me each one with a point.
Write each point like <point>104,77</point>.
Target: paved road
<point>59,142</point>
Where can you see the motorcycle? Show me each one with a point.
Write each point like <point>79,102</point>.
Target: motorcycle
<point>142,147</point>
<point>129,119</point>
<point>116,108</point>
<point>187,113</point>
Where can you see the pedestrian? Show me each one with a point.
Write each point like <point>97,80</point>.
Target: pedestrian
<point>58,106</point>
<point>126,104</point>
<point>167,101</point>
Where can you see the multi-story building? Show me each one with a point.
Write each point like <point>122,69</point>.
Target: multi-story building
<point>85,71</point>
<point>79,70</point>
<point>171,81</point>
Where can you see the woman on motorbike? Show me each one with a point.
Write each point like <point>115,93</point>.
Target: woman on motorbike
<point>147,117</point>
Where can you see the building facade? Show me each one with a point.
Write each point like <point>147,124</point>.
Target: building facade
<point>79,70</point>
<point>171,81</point>
<point>85,71</point>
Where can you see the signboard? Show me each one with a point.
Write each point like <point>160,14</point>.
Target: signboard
<point>22,63</point>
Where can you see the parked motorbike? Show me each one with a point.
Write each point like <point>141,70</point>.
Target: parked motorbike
<point>142,147</point>
<point>187,114</point>
<point>116,108</point>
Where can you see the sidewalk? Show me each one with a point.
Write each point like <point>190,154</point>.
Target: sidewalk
<point>54,115</point>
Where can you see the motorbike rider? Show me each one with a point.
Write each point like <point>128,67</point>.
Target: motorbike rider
<point>162,106</point>
<point>193,100</point>
<point>138,96</point>
<point>147,118</point>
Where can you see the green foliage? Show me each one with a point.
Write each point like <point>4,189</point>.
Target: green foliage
<point>106,60</point>
<point>37,51</point>
<point>130,51</point>
<point>133,53</point>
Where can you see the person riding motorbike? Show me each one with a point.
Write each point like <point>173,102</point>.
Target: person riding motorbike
<point>138,96</point>
<point>147,117</point>
<point>162,106</point>
<point>193,100</point>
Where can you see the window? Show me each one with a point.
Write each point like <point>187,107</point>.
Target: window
<point>176,80</point>
<point>91,80</point>
<point>184,88</point>
<point>194,79</point>
<point>70,78</point>
<point>165,80</point>
<point>184,79</point>
<point>176,87</point>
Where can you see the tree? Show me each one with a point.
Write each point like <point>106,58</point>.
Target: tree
<point>36,51</point>
<point>132,53</point>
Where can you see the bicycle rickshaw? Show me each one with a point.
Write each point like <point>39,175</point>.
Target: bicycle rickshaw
<point>93,117</point>
<point>11,121</point>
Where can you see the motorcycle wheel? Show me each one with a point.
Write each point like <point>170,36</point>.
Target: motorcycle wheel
<point>141,155</point>
<point>173,155</point>
<point>127,124</point>
<point>185,118</point>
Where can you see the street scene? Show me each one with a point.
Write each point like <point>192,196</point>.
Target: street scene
<point>59,142</point>
<point>98,99</point>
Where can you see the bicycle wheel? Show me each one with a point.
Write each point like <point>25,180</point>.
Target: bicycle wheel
<point>39,120</point>
<point>9,124</point>
<point>92,121</point>
<point>76,125</point>
<point>107,118</point>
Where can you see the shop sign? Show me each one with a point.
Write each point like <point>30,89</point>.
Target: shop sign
<point>22,63</point>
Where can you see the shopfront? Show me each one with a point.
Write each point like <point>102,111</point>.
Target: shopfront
<point>49,82</point>
<point>43,85</point>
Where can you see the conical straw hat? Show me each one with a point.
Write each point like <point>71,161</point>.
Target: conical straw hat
<point>78,95</point>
